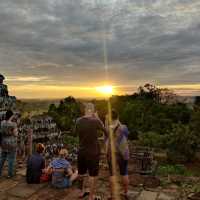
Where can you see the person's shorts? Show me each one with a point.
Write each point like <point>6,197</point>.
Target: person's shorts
<point>66,183</point>
<point>88,164</point>
<point>121,164</point>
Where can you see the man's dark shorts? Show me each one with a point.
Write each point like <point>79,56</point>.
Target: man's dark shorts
<point>89,164</point>
<point>121,164</point>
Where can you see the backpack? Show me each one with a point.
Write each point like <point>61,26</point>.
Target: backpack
<point>121,141</point>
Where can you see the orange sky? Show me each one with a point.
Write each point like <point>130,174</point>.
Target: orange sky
<point>34,91</point>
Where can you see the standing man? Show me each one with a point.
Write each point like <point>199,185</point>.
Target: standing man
<point>9,142</point>
<point>87,128</point>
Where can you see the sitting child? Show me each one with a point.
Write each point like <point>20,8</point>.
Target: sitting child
<point>61,170</point>
<point>35,165</point>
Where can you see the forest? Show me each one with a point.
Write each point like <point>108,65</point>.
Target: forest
<point>156,118</point>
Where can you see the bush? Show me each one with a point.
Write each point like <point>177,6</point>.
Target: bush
<point>71,141</point>
<point>181,144</point>
<point>165,170</point>
<point>152,139</point>
<point>177,169</point>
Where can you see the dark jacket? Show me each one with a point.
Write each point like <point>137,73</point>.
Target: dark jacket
<point>35,164</point>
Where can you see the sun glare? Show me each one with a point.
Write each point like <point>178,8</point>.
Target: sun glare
<point>106,89</point>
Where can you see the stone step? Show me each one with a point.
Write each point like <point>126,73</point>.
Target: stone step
<point>147,195</point>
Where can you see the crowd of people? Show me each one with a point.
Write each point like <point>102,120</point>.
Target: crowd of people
<point>59,170</point>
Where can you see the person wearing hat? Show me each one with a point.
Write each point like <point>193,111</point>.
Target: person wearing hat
<point>61,170</point>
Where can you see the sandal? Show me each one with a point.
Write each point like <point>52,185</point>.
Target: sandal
<point>125,196</point>
<point>97,198</point>
<point>84,195</point>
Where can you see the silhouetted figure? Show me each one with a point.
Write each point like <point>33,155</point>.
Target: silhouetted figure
<point>87,128</point>
<point>3,88</point>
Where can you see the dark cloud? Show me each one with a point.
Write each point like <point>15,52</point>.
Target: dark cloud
<point>62,40</point>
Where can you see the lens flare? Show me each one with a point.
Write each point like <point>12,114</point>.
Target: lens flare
<point>106,89</point>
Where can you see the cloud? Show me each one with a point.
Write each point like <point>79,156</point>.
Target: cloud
<point>25,79</point>
<point>61,42</point>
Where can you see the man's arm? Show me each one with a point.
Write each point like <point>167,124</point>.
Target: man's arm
<point>102,127</point>
<point>75,129</point>
<point>48,170</point>
<point>15,131</point>
<point>69,171</point>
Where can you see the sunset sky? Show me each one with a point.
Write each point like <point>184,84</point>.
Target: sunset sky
<point>55,48</point>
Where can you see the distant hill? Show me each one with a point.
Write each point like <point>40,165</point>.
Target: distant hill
<point>186,99</point>
<point>35,106</point>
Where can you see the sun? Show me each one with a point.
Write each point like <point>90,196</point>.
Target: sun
<point>106,90</point>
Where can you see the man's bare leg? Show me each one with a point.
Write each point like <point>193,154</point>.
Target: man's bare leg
<point>92,182</point>
<point>82,185</point>
<point>125,181</point>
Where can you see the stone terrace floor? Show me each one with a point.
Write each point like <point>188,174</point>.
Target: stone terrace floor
<point>140,189</point>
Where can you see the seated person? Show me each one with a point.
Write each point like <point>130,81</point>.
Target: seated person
<point>35,165</point>
<point>61,170</point>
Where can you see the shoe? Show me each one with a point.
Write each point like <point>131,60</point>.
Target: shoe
<point>97,198</point>
<point>125,196</point>
<point>84,195</point>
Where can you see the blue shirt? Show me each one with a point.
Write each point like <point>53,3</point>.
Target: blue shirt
<point>58,177</point>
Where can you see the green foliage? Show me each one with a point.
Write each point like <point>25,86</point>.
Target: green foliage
<point>71,141</point>
<point>102,108</point>
<point>182,143</point>
<point>176,169</point>
<point>65,113</point>
<point>152,109</point>
<point>133,116</point>
<point>195,122</point>
<point>165,170</point>
<point>197,101</point>
<point>152,139</point>
<point>146,116</point>
<point>153,115</point>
